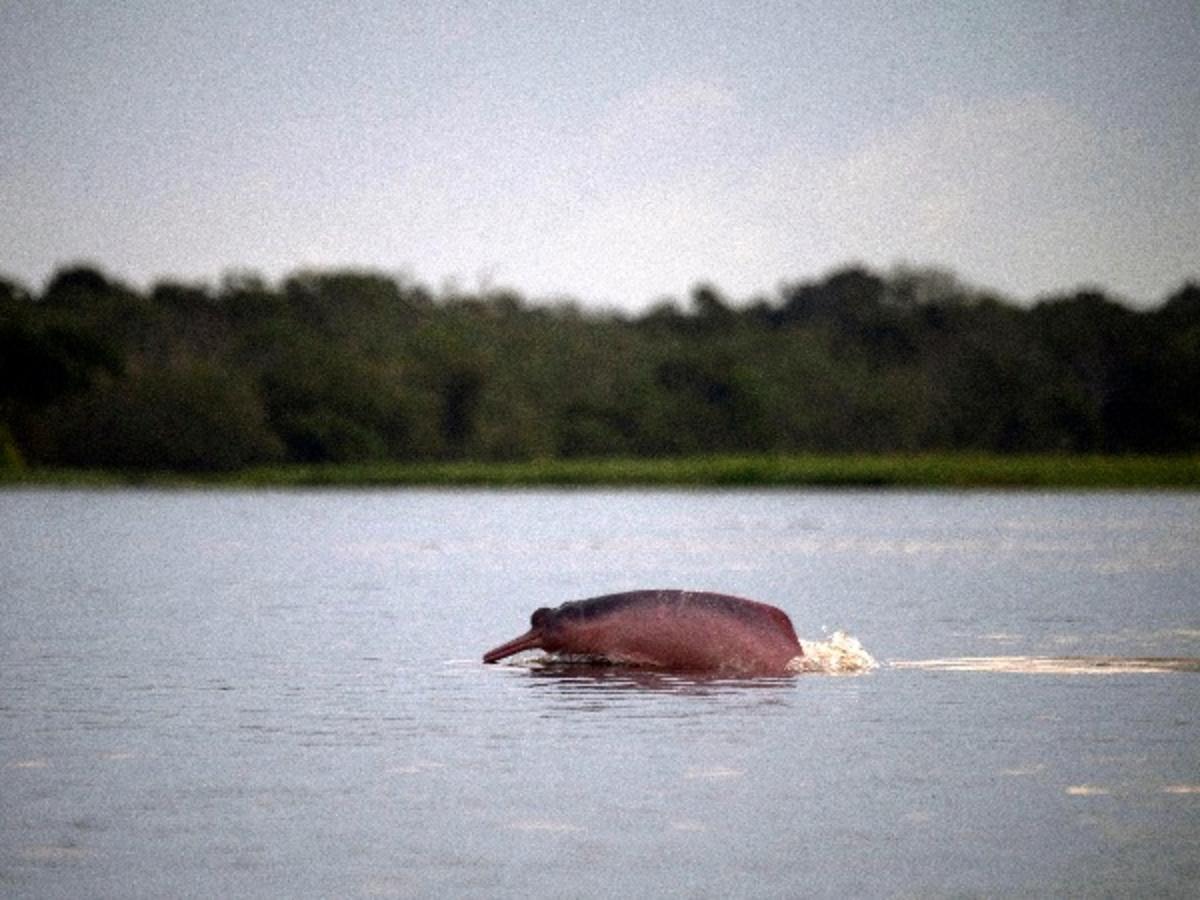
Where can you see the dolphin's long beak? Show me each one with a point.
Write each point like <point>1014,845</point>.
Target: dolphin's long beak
<point>530,640</point>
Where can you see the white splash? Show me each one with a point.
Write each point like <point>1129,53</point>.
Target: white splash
<point>842,654</point>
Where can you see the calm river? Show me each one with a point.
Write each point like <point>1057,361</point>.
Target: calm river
<point>270,694</point>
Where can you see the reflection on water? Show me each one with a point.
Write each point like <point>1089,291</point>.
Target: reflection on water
<point>602,677</point>
<point>641,698</point>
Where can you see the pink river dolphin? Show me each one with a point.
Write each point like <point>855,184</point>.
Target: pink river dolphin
<point>686,631</point>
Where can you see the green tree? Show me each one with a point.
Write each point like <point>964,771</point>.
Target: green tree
<point>189,418</point>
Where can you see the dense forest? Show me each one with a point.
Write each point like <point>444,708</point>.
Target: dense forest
<point>339,366</point>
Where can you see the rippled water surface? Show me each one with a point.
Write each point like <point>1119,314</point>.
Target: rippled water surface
<point>280,694</point>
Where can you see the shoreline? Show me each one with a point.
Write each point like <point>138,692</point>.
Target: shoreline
<point>926,470</point>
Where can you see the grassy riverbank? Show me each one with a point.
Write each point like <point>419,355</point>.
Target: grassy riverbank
<point>889,470</point>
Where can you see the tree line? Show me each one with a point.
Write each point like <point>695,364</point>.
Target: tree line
<point>342,366</point>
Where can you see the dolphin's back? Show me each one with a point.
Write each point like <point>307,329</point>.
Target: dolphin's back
<point>750,612</point>
<point>694,630</point>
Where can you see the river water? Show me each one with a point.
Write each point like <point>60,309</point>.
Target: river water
<point>265,694</point>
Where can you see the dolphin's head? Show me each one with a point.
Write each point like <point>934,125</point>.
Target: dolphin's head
<point>541,623</point>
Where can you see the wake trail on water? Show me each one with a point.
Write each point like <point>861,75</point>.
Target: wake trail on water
<point>843,654</point>
<point>1054,665</point>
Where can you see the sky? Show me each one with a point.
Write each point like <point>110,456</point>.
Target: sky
<point>611,152</point>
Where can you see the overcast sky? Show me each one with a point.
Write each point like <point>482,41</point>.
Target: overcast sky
<point>614,152</point>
